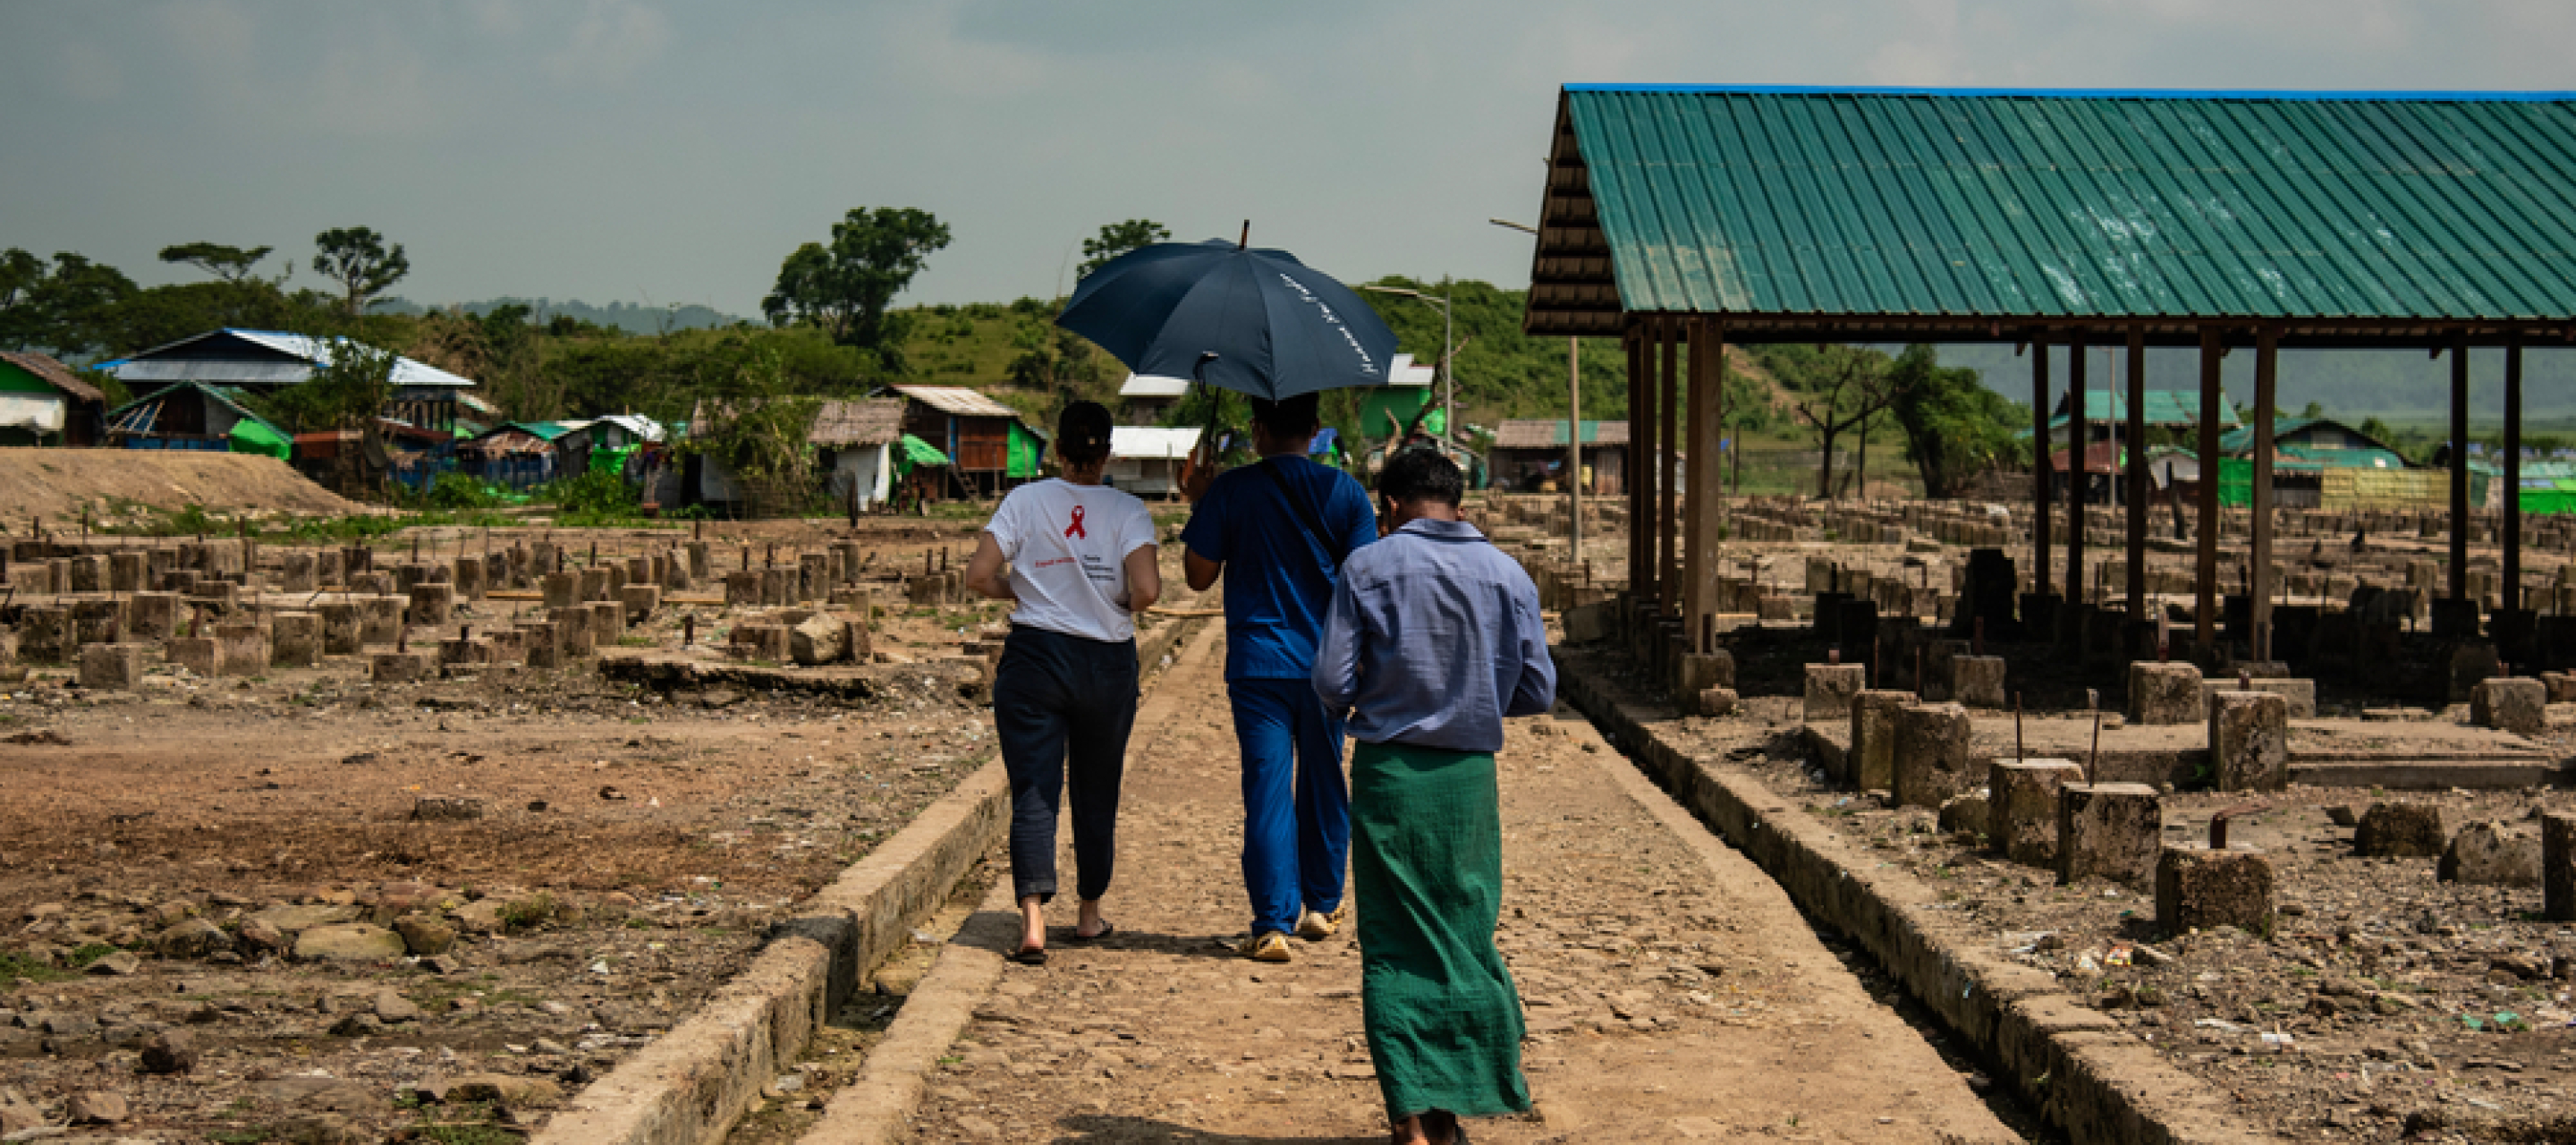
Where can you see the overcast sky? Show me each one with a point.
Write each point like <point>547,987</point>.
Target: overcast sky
<point>665,152</point>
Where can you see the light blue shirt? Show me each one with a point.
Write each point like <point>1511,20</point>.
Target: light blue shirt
<point>1433,637</point>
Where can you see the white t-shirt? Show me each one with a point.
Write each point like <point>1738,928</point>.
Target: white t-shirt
<point>1068,547</point>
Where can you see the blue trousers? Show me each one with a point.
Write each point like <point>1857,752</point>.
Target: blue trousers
<point>1296,805</point>
<point>1062,708</point>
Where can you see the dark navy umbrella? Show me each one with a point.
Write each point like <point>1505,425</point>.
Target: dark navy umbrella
<point>1255,321</point>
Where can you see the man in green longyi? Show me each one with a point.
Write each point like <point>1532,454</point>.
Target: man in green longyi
<point>1434,637</point>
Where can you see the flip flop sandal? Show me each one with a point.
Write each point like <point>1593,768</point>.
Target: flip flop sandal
<point>1079,937</point>
<point>1030,956</point>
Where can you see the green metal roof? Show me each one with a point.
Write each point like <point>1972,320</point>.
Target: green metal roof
<point>2372,454</point>
<point>2163,407</point>
<point>2362,211</point>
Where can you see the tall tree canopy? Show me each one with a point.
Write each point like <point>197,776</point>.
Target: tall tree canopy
<point>845,287</point>
<point>1116,239</point>
<point>1955,428</point>
<point>70,308</point>
<point>226,263</point>
<point>358,259</point>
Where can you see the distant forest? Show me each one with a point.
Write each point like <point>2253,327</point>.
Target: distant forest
<point>627,316</point>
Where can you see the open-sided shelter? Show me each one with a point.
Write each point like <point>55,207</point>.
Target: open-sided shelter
<point>2051,220</point>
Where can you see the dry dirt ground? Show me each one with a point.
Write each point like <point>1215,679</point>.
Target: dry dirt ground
<point>2385,1004</point>
<point>57,484</point>
<point>163,852</point>
<point>1673,993</point>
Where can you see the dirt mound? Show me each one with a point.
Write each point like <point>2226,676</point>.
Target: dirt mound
<point>58,483</point>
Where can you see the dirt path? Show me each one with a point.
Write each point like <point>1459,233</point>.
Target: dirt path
<point>1673,991</point>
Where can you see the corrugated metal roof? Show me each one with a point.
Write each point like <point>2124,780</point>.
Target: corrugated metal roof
<point>1152,386</point>
<point>174,362</point>
<point>1151,442</point>
<point>2287,434</point>
<point>1544,433</point>
<point>2369,208</point>
<point>53,373</point>
<point>2164,407</point>
<point>957,400</point>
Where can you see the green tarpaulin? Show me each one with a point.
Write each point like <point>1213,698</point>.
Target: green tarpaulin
<point>915,451</point>
<point>2235,483</point>
<point>611,460</point>
<point>251,436</point>
<point>1024,452</point>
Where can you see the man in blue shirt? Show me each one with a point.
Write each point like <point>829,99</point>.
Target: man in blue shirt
<point>1277,532</point>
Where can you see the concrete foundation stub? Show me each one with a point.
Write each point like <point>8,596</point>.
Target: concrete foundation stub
<point>1872,758</point>
<point>562,589</point>
<point>1830,688</point>
<point>2022,801</point>
<point>400,667</point>
<point>2558,866</point>
<point>380,619</point>
<point>640,601</point>
<point>2249,741</point>
<point>431,604</point>
<point>2109,831</point>
<point>1706,670</point>
<point>111,667</point>
<point>343,632</point>
<point>1978,681</point>
<point>2492,854</point>
<point>2201,889</point>
<point>152,616</point>
<point>241,649</point>
<point>194,653</point>
<point>295,639</point>
<point>1713,702</point>
<point>1931,754</point>
<point>2164,692</point>
<point>2510,703</point>
<point>2401,830</point>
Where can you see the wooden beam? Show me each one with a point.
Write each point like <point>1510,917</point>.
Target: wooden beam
<point>1707,472</point>
<point>1641,440</point>
<point>2513,473</point>
<point>2205,562</point>
<point>2136,432</point>
<point>1668,482</point>
<point>2267,361</point>
<point>2459,578</point>
<point>2039,477</point>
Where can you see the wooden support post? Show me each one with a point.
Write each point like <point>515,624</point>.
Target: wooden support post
<point>2077,429</point>
<point>2267,363</point>
<point>1641,441</point>
<point>2039,478</point>
<point>2512,472</point>
<point>1707,497</point>
<point>2205,562</point>
<point>2136,433</point>
<point>2459,579</point>
<point>1668,422</point>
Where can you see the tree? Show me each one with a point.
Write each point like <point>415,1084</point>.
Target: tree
<point>1116,239</point>
<point>846,286</point>
<point>229,264</point>
<point>348,388</point>
<point>1053,359</point>
<point>1954,426</point>
<point>68,309</point>
<point>1841,388</point>
<point>358,259</point>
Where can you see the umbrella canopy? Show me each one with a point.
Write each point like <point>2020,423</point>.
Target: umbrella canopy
<point>1276,327</point>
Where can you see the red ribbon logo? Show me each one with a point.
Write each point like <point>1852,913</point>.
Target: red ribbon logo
<point>1075,529</point>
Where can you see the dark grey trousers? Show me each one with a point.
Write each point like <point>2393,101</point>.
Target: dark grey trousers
<point>1062,708</point>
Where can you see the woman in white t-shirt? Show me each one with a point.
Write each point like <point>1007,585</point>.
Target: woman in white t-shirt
<point>1081,564</point>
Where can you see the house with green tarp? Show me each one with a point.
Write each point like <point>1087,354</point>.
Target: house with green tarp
<point>987,446</point>
<point>2322,463</point>
<point>196,416</point>
<point>43,403</point>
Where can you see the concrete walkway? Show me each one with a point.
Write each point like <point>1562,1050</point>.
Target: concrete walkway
<point>1672,990</point>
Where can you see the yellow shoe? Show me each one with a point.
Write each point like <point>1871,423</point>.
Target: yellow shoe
<point>1268,946</point>
<point>1316,927</point>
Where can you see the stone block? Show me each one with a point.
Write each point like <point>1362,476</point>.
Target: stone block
<point>509,645</point>
<point>563,590</point>
<point>1585,624</point>
<point>2166,692</point>
<point>89,574</point>
<point>2299,695</point>
<point>127,572</point>
<point>1830,688</point>
<point>761,642</point>
<point>152,616</point>
<point>343,630</point>
<point>2401,830</point>
<point>111,667</point>
<point>2022,794</point>
<point>593,584</point>
<point>742,588</point>
<point>241,650</point>
<point>640,601</point>
<point>400,667</point>
<point>2249,741</point>
<point>698,566</point>
<point>1702,671</point>
<point>1932,762</point>
<point>1872,758</point>
<point>380,619</point>
<point>2492,854</point>
<point>464,650</point>
<point>97,622</point>
<point>2558,866</point>
<point>819,639</point>
<point>2109,831</point>
<point>778,587</point>
<point>573,626</point>
<point>431,604</point>
<point>471,579</point>
<point>2471,663</point>
<point>1978,681</point>
<point>45,635</point>
<point>541,644</point>
<point>295,571</point>
<point>2201,889</point>
<point>1712,702</point>
<point>295,639</point>
<point>2514,704</point>
<point>607,623</point>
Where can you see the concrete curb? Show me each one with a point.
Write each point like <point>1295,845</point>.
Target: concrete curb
<point>692,1084</point>
<point>872,1109</point>
<point>2087,1077</point>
